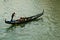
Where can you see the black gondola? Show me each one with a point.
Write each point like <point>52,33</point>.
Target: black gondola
<point>28,19</point>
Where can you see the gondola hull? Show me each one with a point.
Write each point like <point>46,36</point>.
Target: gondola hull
<point>30,19</point>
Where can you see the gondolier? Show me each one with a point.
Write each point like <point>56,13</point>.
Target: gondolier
<point>12,16</point>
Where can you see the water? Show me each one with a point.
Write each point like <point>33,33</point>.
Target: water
<point>48,28</point>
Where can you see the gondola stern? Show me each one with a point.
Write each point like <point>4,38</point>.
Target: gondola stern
<point>8,22</point>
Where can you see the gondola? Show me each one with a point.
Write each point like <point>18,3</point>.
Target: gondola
<point>28,19</point>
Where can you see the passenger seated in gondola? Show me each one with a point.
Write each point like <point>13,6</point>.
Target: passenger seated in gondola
<point>22,19</point>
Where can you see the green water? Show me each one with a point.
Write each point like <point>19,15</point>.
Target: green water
<point>48,28</point>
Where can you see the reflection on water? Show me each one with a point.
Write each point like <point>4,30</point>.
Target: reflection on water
<point>48,29</point>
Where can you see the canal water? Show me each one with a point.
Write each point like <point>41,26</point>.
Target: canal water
<point>47,28</point>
